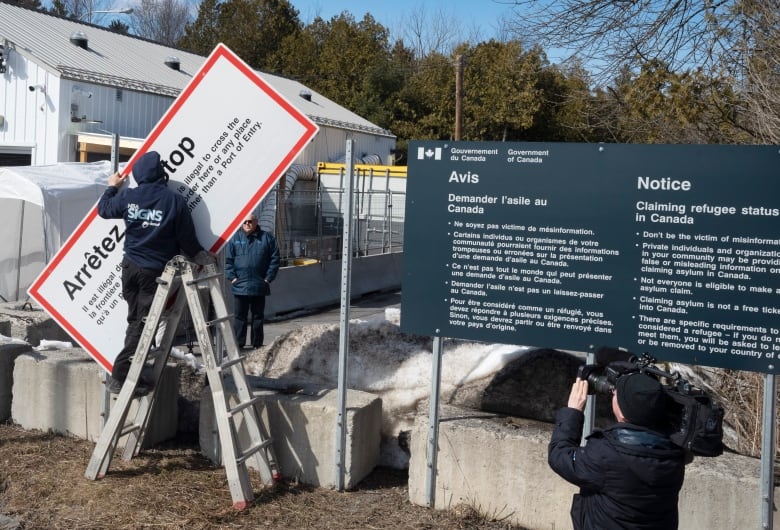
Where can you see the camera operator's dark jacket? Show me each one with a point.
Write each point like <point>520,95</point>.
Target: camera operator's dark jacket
<point>629,476</point>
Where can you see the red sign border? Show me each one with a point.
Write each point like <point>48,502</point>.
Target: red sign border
<point>220,52</point>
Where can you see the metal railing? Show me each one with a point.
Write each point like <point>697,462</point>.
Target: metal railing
<point>309,223</point>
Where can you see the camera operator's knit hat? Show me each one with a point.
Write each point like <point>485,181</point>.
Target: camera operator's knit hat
<point>641,399</point>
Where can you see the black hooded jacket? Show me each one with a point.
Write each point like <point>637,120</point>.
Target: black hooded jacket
<point>158,223</point>
<point>629,476</point>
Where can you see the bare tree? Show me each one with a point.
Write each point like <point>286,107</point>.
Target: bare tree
<point>439,33</point>
<point>733,39</point>
<point>83,10</point>
<point>761,63</point>
<point>163,21</point>
<point>613,33</point>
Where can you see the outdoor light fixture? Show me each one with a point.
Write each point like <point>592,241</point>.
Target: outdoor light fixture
<point>123,11</point>
<point>81,92</point>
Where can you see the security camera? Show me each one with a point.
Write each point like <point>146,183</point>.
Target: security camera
<point>33,88</point>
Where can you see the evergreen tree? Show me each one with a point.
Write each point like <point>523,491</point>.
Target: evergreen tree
<point>253,29</point>
<point>119,27</point>
<point>27,4</point>
<point>202,35</point>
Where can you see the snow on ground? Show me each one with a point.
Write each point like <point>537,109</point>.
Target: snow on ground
<point>382,360</point>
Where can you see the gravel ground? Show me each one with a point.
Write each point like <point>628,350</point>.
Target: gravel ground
<point>42,486</point>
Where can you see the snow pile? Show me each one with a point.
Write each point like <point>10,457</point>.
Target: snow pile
<point>382,360</point>
<point>11,340</point>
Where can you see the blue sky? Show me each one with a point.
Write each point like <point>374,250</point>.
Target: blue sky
<point>473,20</point>
<point>471,15</point>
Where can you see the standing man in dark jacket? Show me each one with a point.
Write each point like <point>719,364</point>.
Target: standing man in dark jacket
<point>251,264</point>
<point>629,475</point>
<point>158,226</point>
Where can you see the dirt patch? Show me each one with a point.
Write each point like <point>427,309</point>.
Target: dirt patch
<point>42,486</point>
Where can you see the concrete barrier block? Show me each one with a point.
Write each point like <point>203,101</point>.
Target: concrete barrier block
<point>500,468</point>
<point>303,427</point>
<point>32,324</point>
<point>724,492</point>
<point>9,351</point>
<point>63,391</point>
<point>5,328</point>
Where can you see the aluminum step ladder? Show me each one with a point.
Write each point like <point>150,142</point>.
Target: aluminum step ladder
<point>168,305</point>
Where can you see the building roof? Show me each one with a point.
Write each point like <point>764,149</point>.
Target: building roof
<point>132,63</point>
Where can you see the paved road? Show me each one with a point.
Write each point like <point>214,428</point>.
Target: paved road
<point>362,308</point>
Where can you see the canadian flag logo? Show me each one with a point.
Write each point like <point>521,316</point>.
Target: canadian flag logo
<point>424,153</point>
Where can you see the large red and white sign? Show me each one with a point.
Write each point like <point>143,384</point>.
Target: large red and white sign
<point>224,143</point>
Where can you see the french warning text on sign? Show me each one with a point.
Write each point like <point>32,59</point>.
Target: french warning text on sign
<point>223,159</point>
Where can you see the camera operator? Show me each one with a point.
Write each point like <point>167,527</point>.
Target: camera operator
<point>629,474</point>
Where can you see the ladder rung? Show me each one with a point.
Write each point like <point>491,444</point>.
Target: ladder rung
<point>245,404</point>
<point>218,320</point>
<point>205,278</point>
<point>243,457</point>
<point>231,362</point>
<point>130,427</point>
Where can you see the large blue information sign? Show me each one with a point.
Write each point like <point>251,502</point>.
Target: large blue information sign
<point>672,250</point>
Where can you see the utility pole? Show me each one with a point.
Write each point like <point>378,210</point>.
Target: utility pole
<point>458,95</point>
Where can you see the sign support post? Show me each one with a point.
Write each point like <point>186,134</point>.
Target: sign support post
<point>346,275</point>
<point>768,438</point>
<point>107,376</point>
<point>590,405</point>
<point>433,425</point>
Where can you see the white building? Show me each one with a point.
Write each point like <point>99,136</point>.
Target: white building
<point>67,87</point>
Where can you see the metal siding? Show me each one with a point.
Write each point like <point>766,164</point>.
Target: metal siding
<point>133,116</point>
<point>330,143</point>
<point>31,116</point>
<point>366,145</point>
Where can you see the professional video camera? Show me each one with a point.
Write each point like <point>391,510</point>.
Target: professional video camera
<point>693,421</point>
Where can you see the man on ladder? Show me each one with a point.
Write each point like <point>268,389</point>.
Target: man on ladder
<point>158,226</point>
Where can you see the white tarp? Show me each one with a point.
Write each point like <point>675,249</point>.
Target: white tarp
<point>40,206</point>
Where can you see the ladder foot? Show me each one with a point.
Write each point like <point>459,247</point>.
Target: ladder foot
<point>241,505</point>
